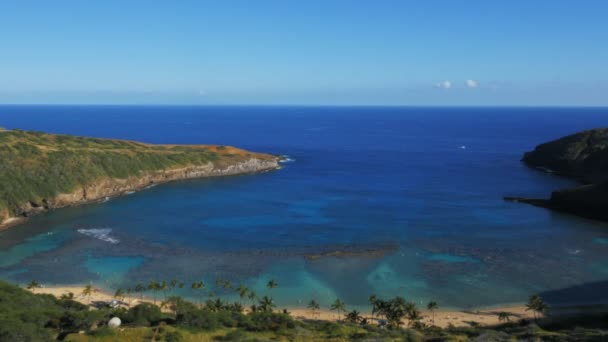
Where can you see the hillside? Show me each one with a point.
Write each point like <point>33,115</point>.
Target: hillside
<point>583,156</point>
<point>40,171</point>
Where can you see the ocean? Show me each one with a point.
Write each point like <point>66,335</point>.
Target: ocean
<point>371,200</point>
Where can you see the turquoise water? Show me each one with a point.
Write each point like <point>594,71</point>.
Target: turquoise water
<point>375,201</point>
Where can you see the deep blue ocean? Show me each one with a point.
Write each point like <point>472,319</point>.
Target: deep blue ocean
<point>412,198</point>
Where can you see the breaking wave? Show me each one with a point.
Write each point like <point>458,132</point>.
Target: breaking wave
<point>102,234</point>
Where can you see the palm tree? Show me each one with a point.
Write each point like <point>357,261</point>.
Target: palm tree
<point>314,307</point>
<point>119,293</point>
<point>88,291</point>
<point>353,317</point>
<point>266,304</point>
<point>154,287</point>
<point>504,317</point>
<point>272,284</point>
<point>432,306</point>
<point>373,300</point>
<point>413,315</point>
<point>199,286</point>
<point>339,306</point>
<point>140,288</point>
<point>164,287</point>
<point>129,290</point>
<point>243,290</point>
<point>536,305</point>
<point>173,284</point>
<point>33,285</point>
<point>224,284</point>
<point>252,297</point>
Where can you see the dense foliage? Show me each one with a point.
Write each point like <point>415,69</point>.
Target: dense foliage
<point>36,166</point>
<point>25,316</point>
<point>28,317</point>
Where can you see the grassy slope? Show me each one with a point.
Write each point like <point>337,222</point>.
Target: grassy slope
<point>36,166</point>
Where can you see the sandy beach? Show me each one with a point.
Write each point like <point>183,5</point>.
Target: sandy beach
<point>10,222</point>
<point>442,318</point>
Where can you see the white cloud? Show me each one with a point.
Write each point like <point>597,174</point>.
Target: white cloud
<point>471,83</point>
<point>444,85</point>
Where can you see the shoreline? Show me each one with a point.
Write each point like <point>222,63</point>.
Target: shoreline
<point>150,180</point>
<point>443,318</point>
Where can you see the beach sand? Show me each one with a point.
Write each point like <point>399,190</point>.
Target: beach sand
<point>442,318</point>
<point>10,222</point>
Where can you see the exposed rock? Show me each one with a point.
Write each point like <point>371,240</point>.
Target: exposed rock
<point>583,156</point>
<point>112,187</point>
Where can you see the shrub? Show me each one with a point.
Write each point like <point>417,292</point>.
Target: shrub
<point>267,321</point>
<point>144,314</point>
<point>197,318</point>
<point>12,329</point>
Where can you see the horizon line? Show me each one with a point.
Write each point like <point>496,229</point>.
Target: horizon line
<point>295,105</point>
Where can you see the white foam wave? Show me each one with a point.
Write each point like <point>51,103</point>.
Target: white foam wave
<point>286,159</point>
<point>102,234</point>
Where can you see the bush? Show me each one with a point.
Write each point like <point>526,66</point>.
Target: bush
<point>267,321</point>
<point>12,329</point>
<point>200,319</point>
<point>144,314</point>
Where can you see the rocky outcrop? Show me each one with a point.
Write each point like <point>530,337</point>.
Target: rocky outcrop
<point>112,187</point>
<point>583,156</point>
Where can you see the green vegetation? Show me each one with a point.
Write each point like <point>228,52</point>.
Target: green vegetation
<point>37,166</point>
<point>25,316</point>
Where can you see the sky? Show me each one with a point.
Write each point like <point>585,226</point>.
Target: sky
<point>314,52</point>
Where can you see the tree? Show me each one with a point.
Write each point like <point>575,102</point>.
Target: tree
<point>154,286</point>
<point>252,297</point>
<point>536,305</point>
<point>173,283</point>
<point>199,286</point>
<point>224,284</point>
<point>164,287</point>
<point>33,285</point>
<point>243,290</point>
<point>128,294</point>
<point>338,306</point>
<point>272,284</point>
<point>119,294</point>
<point>373,300</point>
<point>266,304</point>
<point>413,315</point>
<point>432,306</point>
<point>140,288</point>
<point>88,292</point>
<point>67,296</point>
<point>354,317</point>
<point>314,307</point>
<point>504,316</point>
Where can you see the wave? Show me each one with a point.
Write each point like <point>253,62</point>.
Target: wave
<point>102,234</point>
<point>286,159</point>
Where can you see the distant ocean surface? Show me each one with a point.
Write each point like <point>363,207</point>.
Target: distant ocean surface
<point>412,197</point>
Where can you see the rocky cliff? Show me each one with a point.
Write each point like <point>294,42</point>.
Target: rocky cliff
<point>583,156</point>
<point>40,172</point>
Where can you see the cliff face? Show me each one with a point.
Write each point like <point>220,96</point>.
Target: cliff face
<point>111,187</point>
<point>40,172</point>
<point>583,156</point>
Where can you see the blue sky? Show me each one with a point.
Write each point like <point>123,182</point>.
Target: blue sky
<point>518,52</point>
